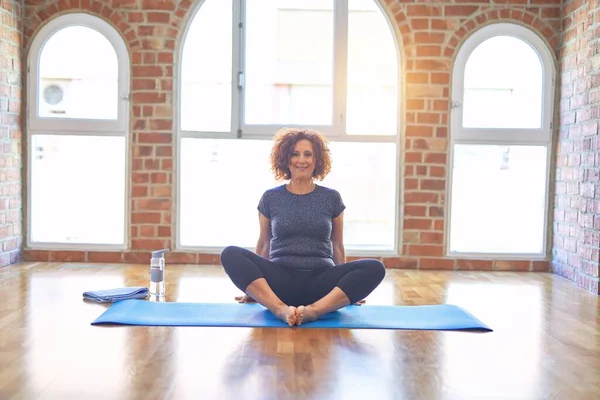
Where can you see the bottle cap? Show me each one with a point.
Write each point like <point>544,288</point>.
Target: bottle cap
<point>159,253</point>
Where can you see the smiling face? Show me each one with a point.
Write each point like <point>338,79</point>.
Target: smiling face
<point>302,161</point>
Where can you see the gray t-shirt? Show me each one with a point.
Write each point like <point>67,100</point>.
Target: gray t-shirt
<point>301,226</point>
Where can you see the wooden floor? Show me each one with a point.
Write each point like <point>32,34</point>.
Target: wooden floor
<point>545,344</point>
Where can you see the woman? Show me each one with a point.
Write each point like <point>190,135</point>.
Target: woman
<point>299,271</point>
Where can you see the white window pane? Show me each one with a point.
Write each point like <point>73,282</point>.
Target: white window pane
<point>365,175</point>
<point>503,85</point>
<point>372,96</point>
<point>206,69</point>
<point>76,195</point>
<point>367,183</point>
<point>289,62</point>
<point>78,76</point>
<point>498,199</point>
<point>240,171</point>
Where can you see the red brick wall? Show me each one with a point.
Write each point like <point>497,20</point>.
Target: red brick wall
<point>10,131</point>
<point>430,34</point>
<point>577,209</point>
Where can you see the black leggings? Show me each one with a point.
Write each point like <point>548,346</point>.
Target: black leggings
<point>356,279</point>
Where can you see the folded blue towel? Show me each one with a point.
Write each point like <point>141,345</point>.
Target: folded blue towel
<point>114,295</point>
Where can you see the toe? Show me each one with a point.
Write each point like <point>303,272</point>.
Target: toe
<point>299,315</point>
<point>291,316</point>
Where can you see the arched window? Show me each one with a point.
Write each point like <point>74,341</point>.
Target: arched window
<point>77,125</point>
<point>501,135</point>
<point>250,68</point>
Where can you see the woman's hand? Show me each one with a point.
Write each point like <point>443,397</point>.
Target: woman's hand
<point>245,299</point>
<point>360,303</point>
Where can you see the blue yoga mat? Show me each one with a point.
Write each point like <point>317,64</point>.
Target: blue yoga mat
<point>428,317</point>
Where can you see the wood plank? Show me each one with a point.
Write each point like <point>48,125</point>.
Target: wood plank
<point>546,341</point>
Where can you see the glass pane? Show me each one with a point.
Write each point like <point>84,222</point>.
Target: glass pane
<point>367,184</point>
<point>365,174</point>
<point>289,62</point>
<point>79,76</point>
<point>372,99</point>
<point>498,198</point>
<point>206,219</point>
<point>503,85</point>
<point>76,195</point>
<point>206,69</point>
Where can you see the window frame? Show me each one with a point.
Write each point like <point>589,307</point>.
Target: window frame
<point>509,135</point>
<point>57,124</point>
<point>337,128</point>
<point>542,136</point>
<point>334,132</point>
<point>77,126</point>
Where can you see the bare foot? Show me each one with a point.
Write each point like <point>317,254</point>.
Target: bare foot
<point>287,314</point>
<point>306,314</point>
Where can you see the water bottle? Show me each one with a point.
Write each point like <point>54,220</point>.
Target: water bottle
<point>157,273</point>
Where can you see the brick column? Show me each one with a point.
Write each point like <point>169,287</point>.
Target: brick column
<point>577,209</point>
<point>11,25</point>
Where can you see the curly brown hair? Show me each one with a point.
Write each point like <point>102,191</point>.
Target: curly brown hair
<point>283,147</point>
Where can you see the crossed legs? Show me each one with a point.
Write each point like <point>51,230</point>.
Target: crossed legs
<point>332,301</point>
<point>338,287</point>
<point>279,291</point>
<point>262,293</point>
<point>260,279</point>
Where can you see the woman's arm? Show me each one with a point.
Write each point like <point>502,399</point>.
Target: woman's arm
<point>337,238</point>
<point>263,246</point>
